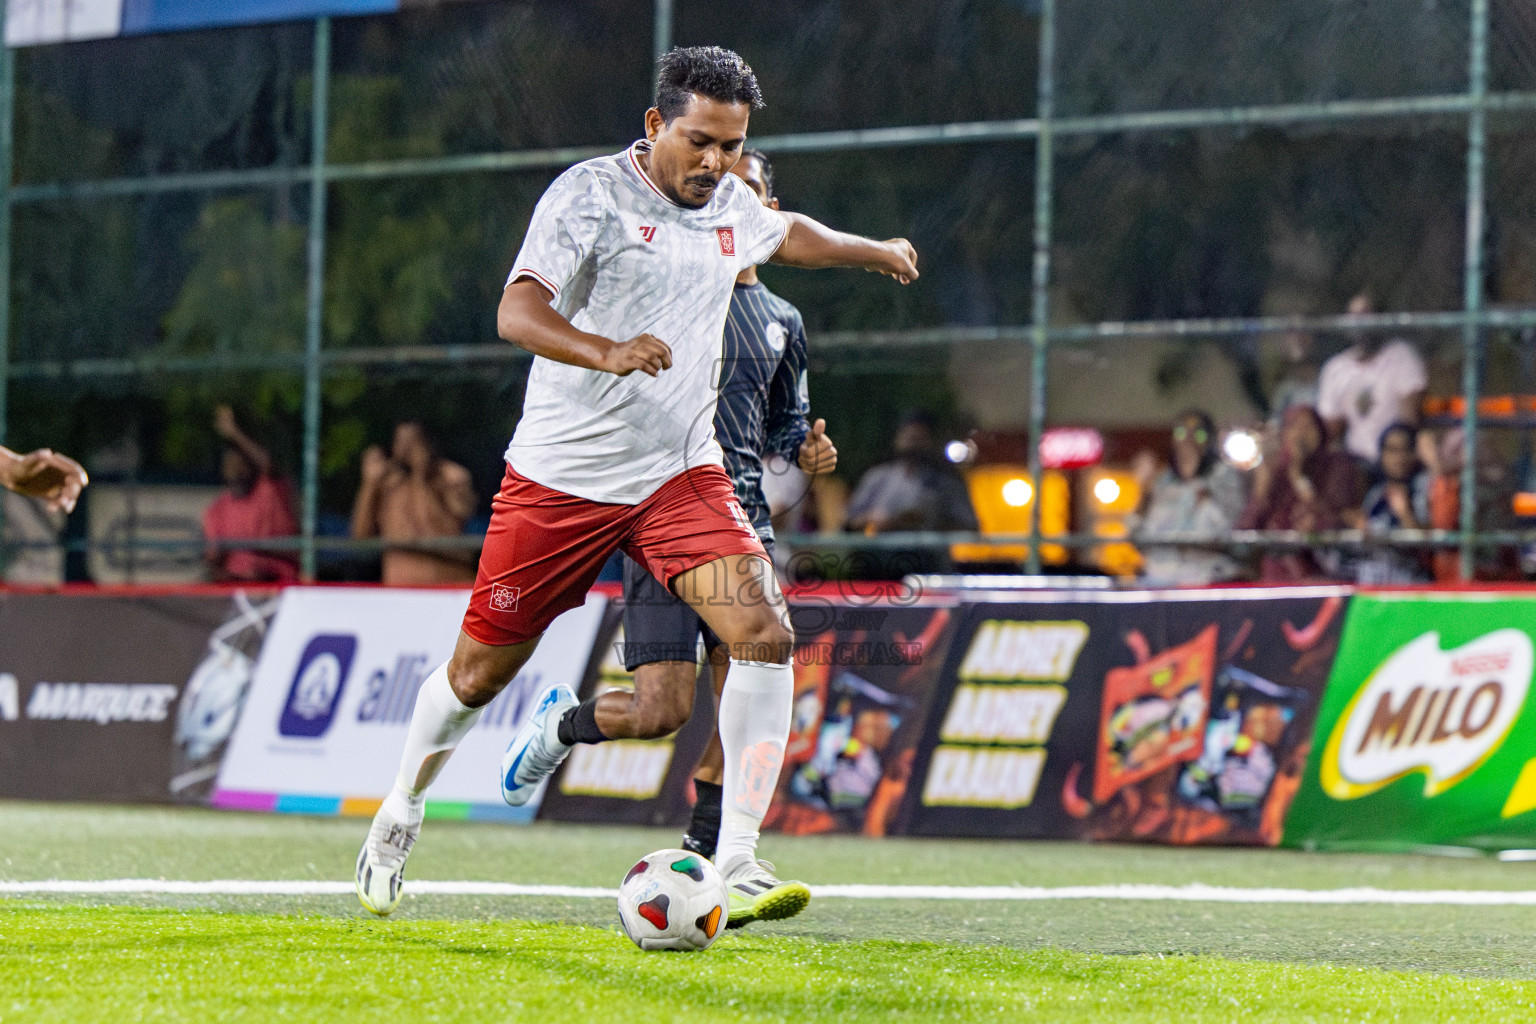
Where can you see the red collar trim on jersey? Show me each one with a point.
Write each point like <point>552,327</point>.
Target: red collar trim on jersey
<point>634,162</point>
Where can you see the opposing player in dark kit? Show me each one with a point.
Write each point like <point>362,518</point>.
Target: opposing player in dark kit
<point>762,409</point>
<point>644,245</point>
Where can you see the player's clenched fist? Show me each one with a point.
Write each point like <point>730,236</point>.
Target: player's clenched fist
<point>900,261</point>
<point>645,353</point>
<point>45,474</point>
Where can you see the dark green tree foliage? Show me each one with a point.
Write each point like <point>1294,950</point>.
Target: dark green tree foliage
<point>1147,225</point>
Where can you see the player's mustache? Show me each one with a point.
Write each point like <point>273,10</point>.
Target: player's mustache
<point>702,180</point>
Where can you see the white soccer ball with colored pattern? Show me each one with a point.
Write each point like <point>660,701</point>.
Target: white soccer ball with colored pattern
<point>673,899</point>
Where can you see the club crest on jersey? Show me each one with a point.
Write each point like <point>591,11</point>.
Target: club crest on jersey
<point>648,233</point>
<point>503,598</point>
<point>727,241</point>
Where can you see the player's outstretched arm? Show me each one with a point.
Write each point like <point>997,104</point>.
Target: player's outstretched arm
<point>527,320</point>
<point>813,245</point>
<point>45,474</point>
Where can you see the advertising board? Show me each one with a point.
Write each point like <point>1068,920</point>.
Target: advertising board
<point>333,692</point>
<point>1179,717</point>
<point>1425,734</point>
<point>864,672</point>
<point>118,697</point>
<point>35,22</point>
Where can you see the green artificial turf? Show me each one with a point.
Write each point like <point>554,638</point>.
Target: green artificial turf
<point>119,963</point>
<point>476,958</point>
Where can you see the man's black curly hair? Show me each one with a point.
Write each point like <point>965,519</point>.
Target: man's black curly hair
<point>710,71</point>
<point>751,153</point>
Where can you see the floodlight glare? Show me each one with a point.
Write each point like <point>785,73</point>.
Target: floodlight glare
<point>1107,490</point>
<point>1017,492</point>
<point>1242,450</point>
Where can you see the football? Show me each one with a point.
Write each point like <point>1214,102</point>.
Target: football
<point>673,899</point>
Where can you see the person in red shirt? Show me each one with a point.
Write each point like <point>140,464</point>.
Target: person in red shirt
<point>256,505</point>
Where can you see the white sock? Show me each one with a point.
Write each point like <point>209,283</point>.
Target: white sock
<point>438,723</point>
<point>755,712</point>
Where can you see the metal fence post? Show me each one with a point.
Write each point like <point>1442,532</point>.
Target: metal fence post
<point>321,88</point>
<point>661,40</point>
<point>1041,305</point>
<point>7,161</point>
<point>1471,332</point>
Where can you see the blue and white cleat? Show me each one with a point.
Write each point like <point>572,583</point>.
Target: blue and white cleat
<point>536,750</point>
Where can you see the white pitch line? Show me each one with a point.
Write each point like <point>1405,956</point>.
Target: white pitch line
<point>1195,893</point>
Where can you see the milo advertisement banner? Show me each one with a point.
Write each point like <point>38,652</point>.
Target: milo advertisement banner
<point>1175,717</point>
<point>1426,735</point>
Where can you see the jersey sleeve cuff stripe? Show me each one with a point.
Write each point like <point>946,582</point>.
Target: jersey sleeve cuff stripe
<point>528,272</point>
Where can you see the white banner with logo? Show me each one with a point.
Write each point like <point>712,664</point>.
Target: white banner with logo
<point>326,718</point>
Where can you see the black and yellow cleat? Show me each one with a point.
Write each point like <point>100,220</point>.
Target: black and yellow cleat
<point>756,894</point>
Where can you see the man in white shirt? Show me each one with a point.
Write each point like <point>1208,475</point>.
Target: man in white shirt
<point>1368,387</point>
<point>644,245</point>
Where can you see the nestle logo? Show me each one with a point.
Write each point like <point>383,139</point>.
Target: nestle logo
<point>727,241</point>
<point>317,685</point>
<point>1480,664</point>
<point>504,598</point>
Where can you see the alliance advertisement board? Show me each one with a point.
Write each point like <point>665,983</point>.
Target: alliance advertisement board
<point>1181,717</point>
<point>1425,735</point>
<point>333,692</point>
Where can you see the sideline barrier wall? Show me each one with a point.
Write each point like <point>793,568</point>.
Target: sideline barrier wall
<point>865,671</point>
<point>1427,735</point>
<point>1223,716</point>
<point>1179,717</point>
<point>333,693</point>
<point>126,698</point>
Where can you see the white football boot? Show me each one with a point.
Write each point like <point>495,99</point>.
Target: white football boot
<point>536,750</point>
<point>381,861</point>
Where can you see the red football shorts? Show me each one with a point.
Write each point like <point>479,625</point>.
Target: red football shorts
<point>545,548</point>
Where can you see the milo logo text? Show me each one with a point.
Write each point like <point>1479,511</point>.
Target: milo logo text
<point>1442,713</point>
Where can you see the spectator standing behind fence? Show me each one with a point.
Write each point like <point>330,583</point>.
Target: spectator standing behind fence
<point>1400,501</point>
<point>1368,387</point>
<point>1196,494</point>
<point>413,494</point>
<point>255,505</point>
<point>917,490</point>
<point>1445,457</point>
<point>1302,486</point>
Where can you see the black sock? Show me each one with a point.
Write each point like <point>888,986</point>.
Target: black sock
<point>579,725</point>
<point>704,829</point>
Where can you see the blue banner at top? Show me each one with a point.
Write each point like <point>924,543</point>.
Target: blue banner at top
<point>143,16</point>
<point>34,22</point>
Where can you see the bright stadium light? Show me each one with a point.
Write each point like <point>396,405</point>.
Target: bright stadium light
<point>1017,492</point>
<point>960,451</point>
<point>1107,490</point>
<point>1242,450</point>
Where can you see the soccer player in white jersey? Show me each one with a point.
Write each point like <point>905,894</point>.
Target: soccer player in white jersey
<point>628,265</point>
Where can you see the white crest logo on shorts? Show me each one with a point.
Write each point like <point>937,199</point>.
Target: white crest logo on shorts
<point>740,515</point>
<point>503,598</point>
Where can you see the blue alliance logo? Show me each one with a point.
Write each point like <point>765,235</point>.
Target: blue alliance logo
<point>317,685</point>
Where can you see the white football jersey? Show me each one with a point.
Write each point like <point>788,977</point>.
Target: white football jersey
<point>622,259</point>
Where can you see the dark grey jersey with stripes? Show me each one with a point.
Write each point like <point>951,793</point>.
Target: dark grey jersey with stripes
<point>763,393</point>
